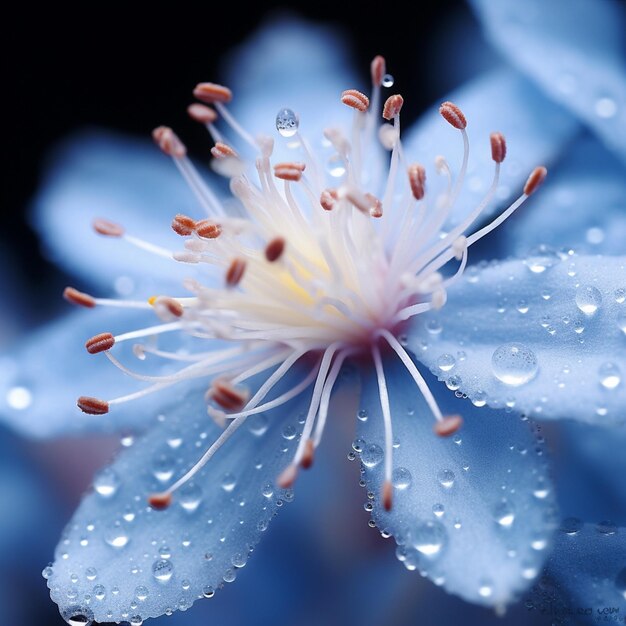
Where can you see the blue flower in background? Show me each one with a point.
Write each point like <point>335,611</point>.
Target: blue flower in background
<point>540,337</point>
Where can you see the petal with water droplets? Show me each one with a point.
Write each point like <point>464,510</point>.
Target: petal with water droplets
<point>543,335</point>
<point>472,512</point>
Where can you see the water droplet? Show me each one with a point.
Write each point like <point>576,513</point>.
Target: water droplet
<point>287,122</point>
<point>541,258</point>
<point>106,483</point>
<point>453,383</point>
<point>174,442</point>
<point>433,326</point>
<point>289,432</point>
<point>401,478</point>
<point>446,362</point>
<point>229,576</point>
<point>605,108</point>
<point>387,80</point>
<point>620,295</point>
<point>439,509</point>
<point>606,527</point>
<point>190,496</point>
<point>594,236</point>
<point>228,482</point>
<point>358,445</point>
<point>208,592</point>
<point>165,552</point>
<point>162,570</point>
<point>257,424</point>
<point>91,573</point>
<point>19,398</point>
<point>571,525</point>
<point>372,455</point>
<point>522,306</point>
<point>78,616</point>
<point>239,560</point>
<point>514,363</point>
<point>504,514</point>
<point>141,593</point>
<point>620,583</point>
<point>362,415</point>
<point>186,585</point>
<point>446,478</point>
<point>588,299</point>
<point>610,375</point>
<point>99,592</point>
<point>163,466</point>
<point>136,620</point>
<point>268,490</point>
<point>47,572</point>
<point>116,536</point>
<point>336,166</point>
<point>428,538</point>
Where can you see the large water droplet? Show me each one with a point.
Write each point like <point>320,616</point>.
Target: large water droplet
<point>606,527</point>
<point>446,362</point>
<point>78,616</point>
<point>504,514</point>
<point>116,536</point>
<point>620,583</point>
<point>163,466</point>
<point>428,538</point>
<point>514,363</point>
<point>372,455</point>
<point>387,80</point>
<point>162,570</point>
<point>570,525</point>
<point>99,592</point>
<point>610,375</point>
<point>287,122</point>
<point>446,478</point>
<point>190,496</point>
<point>401,478</point>
<point>541,258</point>
<point>106,483</point>
<point>588,299</point>
<point>257,424</point>
<point>228,482</point>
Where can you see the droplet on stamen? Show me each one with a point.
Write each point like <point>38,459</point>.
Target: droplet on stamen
<point>160,501</point>
<point>201,113</point>
<point>107,228</point>
<point>79,298</point>
<point>498,147</point>
<point>449,425</point>
<point>183,225</point>
<point>417,180</point>
<point>378,69</point>
<point>453,115</point>
<point>355,99</point>
<point>100,343</point>
<point>274,249</point>
<point>92,406</point>
<point>393,106</point>
<point>537,176</point>
<point>235,272</point>
<point>212,92</point>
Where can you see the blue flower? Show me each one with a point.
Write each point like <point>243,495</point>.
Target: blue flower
<point>304,291</point>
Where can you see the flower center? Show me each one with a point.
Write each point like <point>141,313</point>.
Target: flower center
<point>304,269</point>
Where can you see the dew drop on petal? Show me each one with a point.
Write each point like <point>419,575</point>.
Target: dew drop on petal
<point>162,570</point>
<point>446,362</point>
<point>439,509</point>
<point>141,593</point>
<point>106,483</point>
<point>372,455</point>
<point>257,424</point>
<point>571,526</point>
<point>606,528</point>
<point>116,536</point>
<point>588,299</point>
<point>504,514</point>
<point>428,538</point>
<point>228,482</point>
<point>190,496</point>
<point>99,592</point>
<point>514,364</point>
<point>485,588</point>
<point>208,592</point>
<point>446,478</point>
<point>610,375</point>
<point>401,478</point>
<point>78,616</point>
<point>287,122</point>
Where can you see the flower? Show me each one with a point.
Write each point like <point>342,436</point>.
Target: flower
<point>427,539</point>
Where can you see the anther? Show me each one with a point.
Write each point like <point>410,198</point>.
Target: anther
<point>160,501</point>
<point>392,107</point>
<point>387,495</point>
<point>328,199</point>
<point>448,425</point>
<point>537,176</point>
<point>227,396</point>
<point>289,171</point>
<point>208,229</point>
<point>92,406</point>
<point>355,99</point>
<point>100,343</point>
<point>183,225</point>
<point>169,305</point>
<point>417,180</point>
<point>287,477</point>
<point>202,114</point>
<point>108,229</point>
<point>378,68</point>
<point>79,298</point>
<point>222,151</point>
<point>308,454</point>
<point>235,272</point>
<point>453,115</point>
<point>498,147</point>
<point>211,92</point>
<point>274,249</point>
<point>169,142</point>
<point>376,206</point>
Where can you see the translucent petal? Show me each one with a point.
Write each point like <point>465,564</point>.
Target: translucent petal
<point>585,574</point>
<point>151,562</point>
<point>543,335</point>
<point>536,130</point>
<point>103,175</point>
<point>573,51</point>
<point>472,512</point>
<point>583,205</point>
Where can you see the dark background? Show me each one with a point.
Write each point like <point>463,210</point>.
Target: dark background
<point>131,70</point>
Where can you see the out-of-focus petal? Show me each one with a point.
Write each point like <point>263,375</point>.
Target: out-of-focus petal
<point>132,560</point>
<point>537,131</point>
<point>544,335</point>
<point>574,50</point>
<point>474,513</point>
<point>582,206</point>
<point>130,182</point>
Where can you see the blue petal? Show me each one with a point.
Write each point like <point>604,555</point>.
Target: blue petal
<point>99,174</point>
<point>544,336</point>
<point>582,206</point>
<point>573,50</point>
<point>199,543</point>
<point>585,577</point>
<point>474,513</point>
<point>537,132</point>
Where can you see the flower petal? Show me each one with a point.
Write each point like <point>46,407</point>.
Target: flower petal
<point>585,574</point>
<point>536,130</point>
<point>99,174</point>
<point>151,562</point>
<point>573,51</point>
<point>583,206</point>
<point>542,335</point>
<point>472,513</point>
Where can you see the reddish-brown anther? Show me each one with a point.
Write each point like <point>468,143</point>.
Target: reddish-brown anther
<point>417,180</point>
<point>287,477</point>
<point>208,229</point>
<point>211,92</point>
<point>79,298</point>
<point>387,495</point>
<point>160,501</point>
<point>235,272</point>
<point>227,396</point>
<point>174,307</point>
<point>107,228</point>
<point>378,68</point>
<point>308,455</point>
<point>393,106</point>
<point>355,99</point>
<point>274,249</point>
<point>498,147</point>
<point>183,225</point>
<point>100,343</point>
<point>92,406</point>
<point>537,176</point>
<point>328,199</point>
<point>222,151</point>
<point>448,425</point>
<point>201,113</point>
<point>453,115</point>
<point>169,141</point>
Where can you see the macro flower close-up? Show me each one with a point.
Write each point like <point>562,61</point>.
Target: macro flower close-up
<point>443,301</point>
